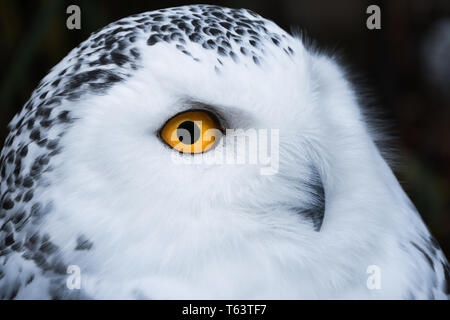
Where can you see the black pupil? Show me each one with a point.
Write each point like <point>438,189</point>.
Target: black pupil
<point>188,132</point>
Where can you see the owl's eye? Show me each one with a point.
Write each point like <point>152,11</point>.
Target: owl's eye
<point>191,131</point>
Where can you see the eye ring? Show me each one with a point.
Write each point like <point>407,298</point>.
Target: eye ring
<point>192,131</point>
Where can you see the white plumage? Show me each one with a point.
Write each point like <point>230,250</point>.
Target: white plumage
<point>87,181</point>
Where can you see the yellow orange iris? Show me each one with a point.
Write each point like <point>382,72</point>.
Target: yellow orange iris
<point>191,132</point>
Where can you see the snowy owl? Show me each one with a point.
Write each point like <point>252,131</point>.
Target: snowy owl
<point>102,195</point>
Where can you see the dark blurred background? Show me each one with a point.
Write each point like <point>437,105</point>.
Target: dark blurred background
<point>405,64</point>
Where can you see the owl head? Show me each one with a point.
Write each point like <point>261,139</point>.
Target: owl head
<point>195,144</point>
